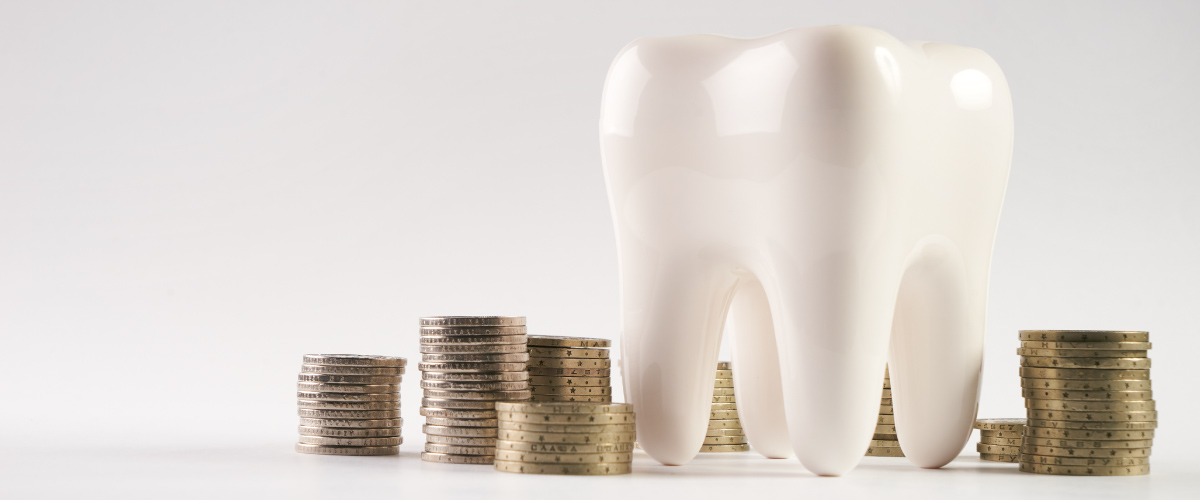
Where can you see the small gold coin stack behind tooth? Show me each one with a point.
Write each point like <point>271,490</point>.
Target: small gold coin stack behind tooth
<point>725,432</point>
<point>567,438</point>
<point>1089,405</point>
<point>569,369</point>
<point>349,404</point>
<point>884,443</point>
<point>999,439</point>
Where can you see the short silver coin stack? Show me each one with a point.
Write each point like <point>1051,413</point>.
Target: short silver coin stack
<point>349,404</point>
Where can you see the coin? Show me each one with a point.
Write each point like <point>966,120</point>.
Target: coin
<point>518,358</point>
<point>997,424</point>
<point>473,321</point>
<point>349,433</point>
<point>454,449</point>
<point>1085,335</point>
<point>724,424</point>
<point>567,428</point>
<point>885,429</point>
<point>1098,462</point>
<point>885,402</point>
<point>1084,373</point>
<point>724,448</point>
<point>1093,363</point>
<point>454,385</point>
<point>456,459</point>
<point>548,398</point>
<point>997,449</point>
<point>352,370</point>
<point>1088,346</point>
<point>472,349</point>
<point>1083,353</point>
<point>441,430</point>
<point>350,379</point>
<point>723,415</point>
<point>1086,385</point>
<point>568,418</point>
<point>351,423</point>
<point>339,441</point>
<point>723,391</point>
<point>455,404</point>
<point>390,389</point>
<point>724,406</point>
<point>1002,433</point>
<point>888,437</point>
<point>998,458</point>
<point>571,390</point>
<point>885,409</point>
<point>473,331</point>
<point>724,365</point>
<point>472,367</point>
<point>1050,451</point>
<point>1095,416</point>
<point>563,447</point>
<point>461,440</point>
<point>1054,404</point>
<point>477,395</point>
<point>316,449</point>
<point>571,381</point>
<point>348,414</point>
<point>472,339</point>
<point>565,437</point>
<point>565,469</point>
<point>726,432</point>
<point>531,407</point>
<point>348,405</point>
<point>568,363</point>
<point>449,413</point>
<point>353,360</point>
<point>724,399</point>
<point>884,452</point>
<point>567,352</point>
<point>724,440</point>
<point>551,341</point>
<point>563,458</point>
<point>887,393</point>
<point>1077,443</point>
<point>347,397</point>
<point>723,382</point>
<point>1087,434</point>
<point>886,419</point>
<point>476,377</point>
<point>1099,396</point>
<point>461,422</point>
<point>885,443</point>
<point>1002,441</point>
<point>1095,426</point>
<point>569,372</point>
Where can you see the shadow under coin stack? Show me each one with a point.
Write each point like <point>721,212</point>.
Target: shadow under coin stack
<point>999,439</point>
<point>577,439</point>
<point>725,432</point>
<point>569,369</point>
<point>1088,401</point>
<point>885,443</point>
<point>469,363</point>
<point>350,404</point>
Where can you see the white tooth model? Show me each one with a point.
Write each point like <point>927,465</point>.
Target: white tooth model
<point>835,191</point>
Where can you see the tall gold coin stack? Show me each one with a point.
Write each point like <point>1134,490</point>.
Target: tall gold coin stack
<point>592,439</point>
<point>999,439</point>
<point>569,369</point>
<point>349,404</point>
<point>885,443</point>
<point>1088,401</point>
<point>468,364</point>
<point>725,432</point>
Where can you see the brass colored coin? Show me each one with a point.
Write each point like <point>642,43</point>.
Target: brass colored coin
<point>454,385</point>
<point>1086,385</point>
<point>1055,404</point>
<point>724,374</point>
<point>342,397</point>
<point>472,367</point>
<point>458,404</point>
<point>885,429</point>
<point>1076,443</point>
<point>428,339</point>
<point>997,449</point>
<point>1094,416</point>
<point>724,448</point>
<point>450,413</point>
<point>885,419</point>
<point>564,458</point>
<point>471,349</point>
<point>337,441</point>
<point>885,402</point>
<point>567,352</point>
<point>887,394</point>
<point>884,452</point>
<point>1002,433</point>
<point>460,440</point>
<point>571,381</point>
<point>885,443</point>
<point>567,418</point>
<point>461,321</point>
<point>885,409</point>
<point>569,398</point>
<point>887,384</point>
<point>1084,374</point>
<point>349,433</point>
<point>441,430</point>
<point>561,448</point>
<point>567,428</point>
<point>348,414</point>
<point>1000,424</point>
<point>478,395</point>
<point>1084,353</point>
<point>724,365</point>
<point>884,437</point>
<point>352,423</point>
<point>712,440</point>
<point>569,408</point>
<point>731,432</point>
<point>1054,451</point>
<point>606,469</point>
<point>569,363</point>
<point>1095,426</point>
<point>569,372</point>
<point>1089,435</point>
<point>350,379</point>
<point>724,424</point>
<point>352,370</point>
<point>724,399</point>
<point>723,414</point>
<point>476,377</point>
<point>1092,363</point>
<point>353,360</point>
<point>571,390</point>
<point>390,389</point>
<point>454,449</point>
<point>1097,461</point>
<point>1002,441</point>
<point>461,422</point>
<point>565,437</point>
<point>316,449</point>
<point>443,458</point>
<point>998,458</point>
<point>552,341</point>
<point>348,405</point>
<point>477,357</point>
<point>1087,346</point>
<point>724,406</point>
<point>723,382</point>
<point>1085,335</point>
<point>723,391</point>
<point>1082,396</point>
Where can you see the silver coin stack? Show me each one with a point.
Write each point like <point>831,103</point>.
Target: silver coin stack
<point>569,369</point>
<point>725,432</point>
<point>350,404</point>
<point>469,363</point>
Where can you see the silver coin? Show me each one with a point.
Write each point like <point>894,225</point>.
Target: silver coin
<point>460,441</point>
<point>350,379</point>
<point>349,433</point>
<point>353,360</point>
<point>476,377</point>
<point>449,413</point>
<point>472,349</point>
<point>457,404</point>
<point>347,397</point>
<point>453,385</point>
<point>348,405</point>
<point>478,395</point>
<point>440,430</point>
<point>351,423</point>
<point>473,331</point>
<point>472,367</point>
<point>348,414</point>
<point>473,321</point>
<point>338,441</point>
<point>389,389</point>
<point>352,370</point>
<point>472,339</point>
<point>454,449</point>
<point>316,449</point>
<point>465,357</point>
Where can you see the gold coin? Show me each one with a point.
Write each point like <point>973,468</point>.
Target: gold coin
<point>567,428</point>
<point>996,449</point>
<point>353,360</point>
<point>567,352</point>
<point>1055,404</point>
<point>723,382</point>
<point>724,406</point>
<point>885,409</point>
<point>723,391</point>
<point>724,374</point>
<point>348,414</point>
<point>1085,335</point>
<point>351,423</point>
<point>1084,374</point>
<point>430,339</point>
<point>344,397</point>
<point>569,372</point>
<point>458,404</point>
<point>568,418</point>
<point>887,394</point>
<point>352,370</point>
<point>885,443</point>
<point>1001,433</point>
<point>339,441</point>
<point>1079,443</point>
<point>1054,451</point>
<point>471,367</point>
<point>552,341</point>
<point>886,419</point>
<point>732,432</point>
<point>1015,441</point>
<point>550,398</point>
<point>528,407</point>
<point>349,433</point>
<point>566,437</point>
<point>711,440</point>
<point>461,422</point>
<point>473,349</point>
<point>456,459</point>
<point>885,402</point>
<point>1096,396</point>
<point>460,440</point>
<point>724,365</point>
<point>564,458</point>
<point>724,448</point>
<point>564,447</point>
<point>887,384</point>
<point>478,395</point>
<point>454,385</point>
<point>1095,426</point>
<point>1085,470</point>
<point>440,430</point>
<point>1086,385</point>
<point>1094,416</point>
<point>723,414</point>
<point>605,469</point>
<point>1083,353</point>
<point>348,405</point>
<point>998,458</point>
<point>476,357</point>
<point>453,449</point>
<point>885,429</point>
<point>316,449</point>
<point>1000,424</point>
<point>885,437</point>
<point>884,452</point>
<point>1090,435</point>
<point>724,424</point>
<point>451,413</point>
<point>569,363</point>
<point>461,321</point>
<point>1099,461</point>
<point>1092,363</point>
<point>571,381</point>
<point>350,379</point>
<point>724,399</point>
<point>391,389</point>
<point>558,390</point>
<point>1087,346</point>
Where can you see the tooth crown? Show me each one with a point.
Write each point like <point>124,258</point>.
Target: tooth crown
<point>839,188</point>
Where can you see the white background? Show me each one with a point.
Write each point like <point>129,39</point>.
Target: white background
<point>194,194</point>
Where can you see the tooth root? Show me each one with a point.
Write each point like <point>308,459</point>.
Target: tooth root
<point>936,350</point>
<point>756,371</point>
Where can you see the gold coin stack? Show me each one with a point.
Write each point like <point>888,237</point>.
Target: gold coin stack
<point>569,369</point>
<point>885,443</point>
<point>1088,401</point>
<point>578,439</point>
<point>725,432</point>
<point>999,439</point>
<point>350,404</point>
<point>468,364</point>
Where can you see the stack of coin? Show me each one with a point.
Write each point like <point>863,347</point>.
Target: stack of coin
<point>999,438</point>
<point>594,439</point>
<point>569,369</point>
<point>885,443</point>
<point>350,404</point>
<point>469,363</point>
<point>724,428</point>
<point>1088,401</point>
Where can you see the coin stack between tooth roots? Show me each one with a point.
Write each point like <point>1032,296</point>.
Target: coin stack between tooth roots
<point>570,438</point>
<point>999,439</point>
<point>885,443</point>
<point>1088,401</point>
<point>350,404</point>
<point>569,369</point>
<point>725,433</point>
<point>469,363</point>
